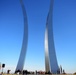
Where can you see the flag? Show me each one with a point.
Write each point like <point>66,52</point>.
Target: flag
<point>0,66</point>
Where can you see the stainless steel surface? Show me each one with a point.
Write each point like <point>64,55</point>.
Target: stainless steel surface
<point>50,55</point>
<point>21,61</point>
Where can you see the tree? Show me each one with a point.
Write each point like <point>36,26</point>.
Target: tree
<point>8,71</point>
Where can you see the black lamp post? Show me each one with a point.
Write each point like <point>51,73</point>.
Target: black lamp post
<point>3,65</point>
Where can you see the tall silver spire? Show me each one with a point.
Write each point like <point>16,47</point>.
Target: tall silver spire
<point>21,61</point>
<point>51,64</point>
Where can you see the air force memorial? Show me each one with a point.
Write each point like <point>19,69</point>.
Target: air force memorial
<point>50,56</point>
<point>51,64</point>
<point>21,61</point>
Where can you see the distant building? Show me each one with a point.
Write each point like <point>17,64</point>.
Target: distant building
<point>51,64</point>
<point>61,69</point>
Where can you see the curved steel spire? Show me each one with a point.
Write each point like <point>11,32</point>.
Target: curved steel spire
<point>50,55</point>
<point>21,61</point>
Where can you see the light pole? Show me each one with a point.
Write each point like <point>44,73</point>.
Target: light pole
<point>3,65</point>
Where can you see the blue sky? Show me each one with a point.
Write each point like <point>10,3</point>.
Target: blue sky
<point>11,33</point>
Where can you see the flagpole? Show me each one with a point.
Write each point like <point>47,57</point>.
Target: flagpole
<point>0,67</point>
